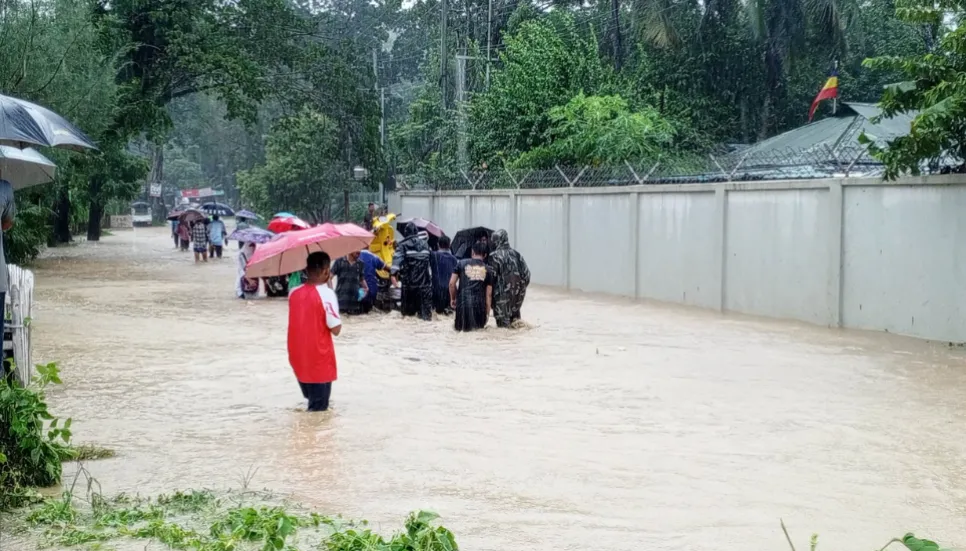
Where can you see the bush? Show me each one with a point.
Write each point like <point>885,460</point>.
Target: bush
<point>33,443</point>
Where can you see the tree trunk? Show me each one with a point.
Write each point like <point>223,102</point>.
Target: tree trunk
<point>96,213</point>
<point>94,222</point>
<point>62,216</point>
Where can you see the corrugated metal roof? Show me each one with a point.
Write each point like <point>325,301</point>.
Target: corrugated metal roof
<point>828,143</point>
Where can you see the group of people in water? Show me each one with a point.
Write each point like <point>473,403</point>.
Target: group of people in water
<point>494,278</point>
<point>421,281</point>
<point>206,237</point>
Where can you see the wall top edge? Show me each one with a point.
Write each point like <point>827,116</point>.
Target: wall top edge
<point>772,185</point>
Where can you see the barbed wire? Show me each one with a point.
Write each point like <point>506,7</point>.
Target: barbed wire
<point>743,165</point>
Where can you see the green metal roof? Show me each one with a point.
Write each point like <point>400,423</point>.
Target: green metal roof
<point>825,146</point>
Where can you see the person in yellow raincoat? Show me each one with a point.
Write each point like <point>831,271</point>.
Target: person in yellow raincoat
<point>383,246</point>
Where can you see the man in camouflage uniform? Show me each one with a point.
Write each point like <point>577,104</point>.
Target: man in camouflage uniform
<point>511,279</point>
<point>410,263</point>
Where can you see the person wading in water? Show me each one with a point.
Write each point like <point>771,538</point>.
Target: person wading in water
<point>313,318</point>
<point>471,290</point>
<point>511,277</point>
<point>410,263</point>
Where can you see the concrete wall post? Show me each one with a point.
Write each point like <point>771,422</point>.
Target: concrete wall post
<point>836,220</point>
<point>721,241</point>
<point>566,239</point>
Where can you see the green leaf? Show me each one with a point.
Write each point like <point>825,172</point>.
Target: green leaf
<point>915,544</point>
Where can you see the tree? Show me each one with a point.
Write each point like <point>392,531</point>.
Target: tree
<point>933,87</point>
<point>599,130</point>
<point>546,63</point>
<point>303,170</point>
<point>240,52</point>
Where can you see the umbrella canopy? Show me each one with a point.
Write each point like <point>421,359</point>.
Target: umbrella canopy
<point>252,235</point>
<point>287,253</point>
<point>22,122</point>
<point>190,216</point>
<point>428,226</point>
<point>175,214</point>
<point>246,215</point>
<point>284,214</point>
<point>220,209</point>
<point>25,167</point>
<point>464,239</point>
<point>287,223</point>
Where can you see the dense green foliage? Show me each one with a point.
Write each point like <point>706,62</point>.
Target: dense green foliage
<point>32,442</point>
<point>302,171</point>
<point>931,84</point>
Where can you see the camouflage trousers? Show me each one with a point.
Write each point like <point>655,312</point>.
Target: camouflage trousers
<point>507,304</point>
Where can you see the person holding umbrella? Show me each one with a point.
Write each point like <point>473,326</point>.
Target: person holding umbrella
<point>8,210</point>
<point>199,235</point>
<point>313,318</point>
<point>216,236</point>
<point>410,263</point>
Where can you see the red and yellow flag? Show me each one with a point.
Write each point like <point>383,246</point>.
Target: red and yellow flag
<point>830,90</point>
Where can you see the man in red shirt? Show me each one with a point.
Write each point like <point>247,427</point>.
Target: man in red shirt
<point>313,317</point>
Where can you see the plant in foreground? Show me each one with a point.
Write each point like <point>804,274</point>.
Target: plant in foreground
<point>32,442</point>
<point>200,521</point>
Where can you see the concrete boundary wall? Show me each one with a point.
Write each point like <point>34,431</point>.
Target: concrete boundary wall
<point>858,253</point>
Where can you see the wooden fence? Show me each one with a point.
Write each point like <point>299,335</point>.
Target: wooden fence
<point>18,309</point>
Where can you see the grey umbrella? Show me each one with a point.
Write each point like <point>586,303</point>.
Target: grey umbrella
<point>25,167</point>
<point>23,122</point>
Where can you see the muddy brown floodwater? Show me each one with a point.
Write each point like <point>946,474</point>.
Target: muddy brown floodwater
<point>606,425</point>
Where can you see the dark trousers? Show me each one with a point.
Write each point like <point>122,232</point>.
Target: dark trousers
<point>317,394</point>
<point>418,300</point>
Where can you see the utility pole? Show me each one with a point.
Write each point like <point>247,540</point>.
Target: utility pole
<point>616,30</point>
<point>461,109</point>
<point>443,61</point>
<point>489,31</point>
<point>835,100</point>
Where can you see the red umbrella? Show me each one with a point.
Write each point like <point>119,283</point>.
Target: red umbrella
<point>283,224</point>
<point>288,252</point>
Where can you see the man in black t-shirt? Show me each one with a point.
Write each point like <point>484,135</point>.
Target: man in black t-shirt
<point>471,290</point>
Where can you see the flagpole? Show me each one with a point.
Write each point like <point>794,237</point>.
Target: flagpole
<point>835,100</point>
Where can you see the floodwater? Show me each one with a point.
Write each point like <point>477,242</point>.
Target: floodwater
<point>605,425</point>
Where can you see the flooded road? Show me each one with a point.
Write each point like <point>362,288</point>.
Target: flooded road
<point>607,425</point>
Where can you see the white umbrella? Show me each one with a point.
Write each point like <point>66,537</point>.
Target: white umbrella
<point>25,167</point>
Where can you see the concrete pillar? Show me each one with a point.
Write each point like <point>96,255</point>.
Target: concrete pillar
<point>635,240</point>
<point>566,239</point>
<point>433,215</point>
<point>468,207</point>
<point>513,220</point>
<point>721,240</point>
<point>836,220</point>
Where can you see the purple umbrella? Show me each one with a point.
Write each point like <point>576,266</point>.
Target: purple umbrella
<point>428,226</point>
<point>252,235</point>
<point>247,215</point>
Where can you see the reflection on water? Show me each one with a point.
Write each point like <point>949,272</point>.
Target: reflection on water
<point>605,425</point>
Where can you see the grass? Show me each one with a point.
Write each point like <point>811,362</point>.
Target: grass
<point>88,452</point>
<point>203,520</point>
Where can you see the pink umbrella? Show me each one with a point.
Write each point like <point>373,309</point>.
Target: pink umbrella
<point>287,253</point>
<point>428,226</point>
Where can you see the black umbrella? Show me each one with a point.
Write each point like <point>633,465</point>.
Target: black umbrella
<point>464,239</point>
<point>22,122</point>
<point>220,209</point>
